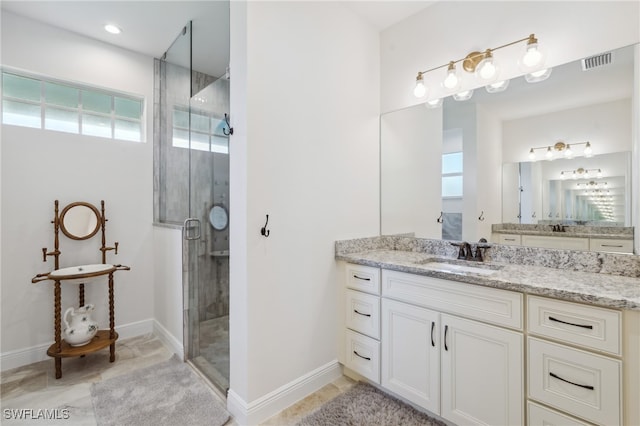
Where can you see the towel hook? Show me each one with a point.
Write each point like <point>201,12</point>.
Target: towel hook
<point>439,220</point>
<point>481,217</point>
<point>264,231</point>
<point>224,130</point>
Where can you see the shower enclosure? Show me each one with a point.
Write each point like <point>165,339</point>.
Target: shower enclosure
<point>191,182</point>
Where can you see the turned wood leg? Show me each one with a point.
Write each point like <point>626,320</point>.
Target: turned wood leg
<point>81,295</point>
<point>57,331</point>
<point>58,368</point>
<point>112,321</point>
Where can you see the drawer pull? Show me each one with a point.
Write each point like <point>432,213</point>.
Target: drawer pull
<point>509,239</point>
<point>360,313</point>
<point>433,326</point>
<point>363,357</point>
<point>360,278</point>
<point>446,329</point>
<point>611,245</point>
<point>590,327</point>
<point>555,376</point>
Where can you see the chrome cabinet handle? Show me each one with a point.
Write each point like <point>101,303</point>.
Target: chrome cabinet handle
<point>360,313</point>
<point>360,278</point>
<point>363,357</point>
<point>612,245</point>
<point>590,327</point>
<point>555,376</point>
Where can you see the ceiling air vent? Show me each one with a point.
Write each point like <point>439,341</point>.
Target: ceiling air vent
<point>597,61</point>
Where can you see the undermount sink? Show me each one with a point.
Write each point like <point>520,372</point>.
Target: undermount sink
<point>456,268</point>
<point>82,273</point>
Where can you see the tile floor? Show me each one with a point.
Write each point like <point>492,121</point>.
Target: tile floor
<point>35,387</point>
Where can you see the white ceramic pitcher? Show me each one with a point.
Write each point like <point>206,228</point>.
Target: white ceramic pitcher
<point>79,328</point>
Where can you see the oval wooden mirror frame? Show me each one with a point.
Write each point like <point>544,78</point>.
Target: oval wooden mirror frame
<point>79,225</point>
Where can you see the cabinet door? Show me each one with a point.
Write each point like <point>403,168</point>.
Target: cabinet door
<point>482,373</point>
<point>410,353</point>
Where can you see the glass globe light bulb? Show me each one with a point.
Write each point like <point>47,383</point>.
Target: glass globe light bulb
<point>452,81</point>
<point>420,90</point>
<point>532,155</point>
<point>487,70</point>
<point>588,152</point>
<point>549,153</point>
<point>568,153</point>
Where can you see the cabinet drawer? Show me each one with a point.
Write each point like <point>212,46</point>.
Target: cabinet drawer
<point>501,307</point>
<point>362,355</point>
<point>543,416</point>
<point>509,240</point>
<point>611,245</point>
<point>565,243</point>
<point>578,382</point>
<point>363,278</point>
<point>589,326</point>
<point>363,313</point>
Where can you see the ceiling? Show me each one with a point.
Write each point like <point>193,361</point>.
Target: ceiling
<point>150,27</point>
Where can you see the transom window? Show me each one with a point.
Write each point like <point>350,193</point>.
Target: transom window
<point>40,103</point>
<point>207,131</point>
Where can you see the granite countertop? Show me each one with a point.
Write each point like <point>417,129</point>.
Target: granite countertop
<point>601,289</point>
<point>563,234</point>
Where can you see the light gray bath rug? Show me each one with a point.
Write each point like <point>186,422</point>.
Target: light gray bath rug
<point>168,393</point>
<point>364,405</point>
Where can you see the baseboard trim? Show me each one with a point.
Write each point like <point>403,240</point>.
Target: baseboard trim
<point>168,339</point>
<point>272,403</point>
<point>26,356</point>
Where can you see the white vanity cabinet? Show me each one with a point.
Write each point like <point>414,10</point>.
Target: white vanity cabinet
<point>580,363</point>
<point>559,242</point>
<point>361,351</point>
<point>463,369</point>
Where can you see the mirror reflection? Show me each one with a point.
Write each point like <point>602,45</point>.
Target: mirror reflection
<point>80,221</point>
<point>494,134</point>
<point>583,191</point>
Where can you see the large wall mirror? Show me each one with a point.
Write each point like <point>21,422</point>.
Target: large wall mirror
<point>493,134</point>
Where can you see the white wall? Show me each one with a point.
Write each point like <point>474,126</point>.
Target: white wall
<point>411,155</point>
<point>41,166</point>
<point>304,151</point>
<point>449,30</point>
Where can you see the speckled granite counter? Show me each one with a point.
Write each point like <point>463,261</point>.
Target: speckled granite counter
<point>602,279</point>
<point>580,231</point>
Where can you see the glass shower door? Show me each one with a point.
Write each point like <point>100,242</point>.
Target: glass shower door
<point>192,183</point>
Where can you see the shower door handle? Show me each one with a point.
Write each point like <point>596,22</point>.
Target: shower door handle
<point>191,229</point>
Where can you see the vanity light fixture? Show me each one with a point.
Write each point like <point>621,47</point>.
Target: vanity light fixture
<point>498,86</point>
<point>112,29</point>
<point>561,147</point>
<point>486,68</point>
<point>582,173</point>
<point>433,103</point>
<point>463,96</point>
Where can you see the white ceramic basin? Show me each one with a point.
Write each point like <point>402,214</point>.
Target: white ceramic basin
<point>82,273</point>
<point>459,269</point>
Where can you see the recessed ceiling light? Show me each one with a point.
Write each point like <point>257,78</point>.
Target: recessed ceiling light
<point>113,29</point>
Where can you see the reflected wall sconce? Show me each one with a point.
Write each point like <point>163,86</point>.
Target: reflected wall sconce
<point>487,69</point>
<point>561,148</point>
<point>581,173</point>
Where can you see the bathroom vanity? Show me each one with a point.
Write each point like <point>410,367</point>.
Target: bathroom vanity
<point>517,341</point>
<point>569,237</point>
